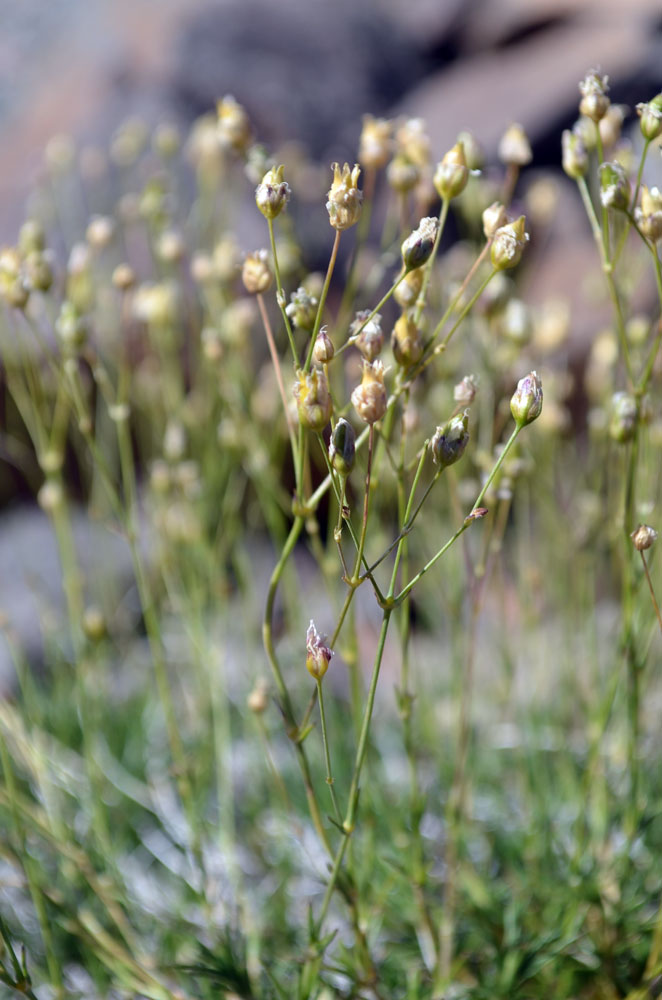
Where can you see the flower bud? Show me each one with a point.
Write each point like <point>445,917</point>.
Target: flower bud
<point>31,236</point>
<point>94,623</point>
<point>650,117</point>
<point>610,126</point>
<point>614,187</point>
<point>256,273</point>
<point>451,176</point>
<point>514,147</point>
<point>473,151</point>
<point>124,277</point>
<point>414,142</point>
<point>323,350</point>
<point>342,447</point>
<point>70,327</point>
<point>14,288</point>
<point>257,700</point>
<point>100,231</point>
<point>367,336</point>
<point>313,399</point>
<point>406,342</point>
<point>516,323</point>
<point>574,155</point>
<point>38,270</point>
<point>643,537</point>
<point>526,402</point>
<point>649,215</point>
<point>409,288</point>
<point>344,197</point>
<point>623,417</point>
<point>464,392</point>
<point>449,441</point>
<point>494,217</point>
<point>375,142</point>
<point>417,248</point>
<point>508,244</point>
<point>273,193</point>
<point>302,309</point>
<point>369,398</point>
<point>233,125</point>
<point>318,656</point>
<point>402,173</point>
<point>594,102</point>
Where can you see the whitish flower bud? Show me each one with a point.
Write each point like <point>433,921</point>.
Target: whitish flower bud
<point>611,125</point>
<point>412,140</point>
<point>402,173</point>
<point>623,417</point>
<point>344,197</point>
<point>273,193</point>
<point>257,700</point>
<point>649,214</point>
<point>342,447</point>
<point>369,398</point>
<point>406,342</point>
<point>124,277</point>
<point>302,309</point>
<point>514,147</point>
<point>50,496</point>
<point>643,537</point>
<point>170,246</point>
<point>650,117</point>
<point>594,101</point>
<point>526,402</point>
<point>449,441</point>
<point>368,337</point>
<point>174,441</point>
<point>464,392</point>
<point>100,231</point>
<point>156,303</point>
<point>473,151</point>
<point>516,323</point>
<point>313,399</point>
<point>256,273</point>
<point>452,173</point>
<point>494,217</point>
<point>375,142</point>
<point>318,655</point>
<point>233,126</point>
<point>409,288</point>
<point>574,155</point>
<point>417,248</point>
<point>14,288</point>
<point>323,350</point>
<point>508,244</point>
<point>70,327</point>
<point>614,187</point>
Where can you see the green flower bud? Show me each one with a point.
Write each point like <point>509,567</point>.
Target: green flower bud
<point>623,418</point>
<point>574,155</point>
<point>417,248</point>
<point>313,398</point>
<point>450,440</point>
<point>402,173</point>
<point>273,193</point>
<point>594,89</point>
<point>614,187</point>
<point>452,173</point>
<point>342,447</point>
<point>650,117</point>
<point>526,402</point>
<point>508,244</point>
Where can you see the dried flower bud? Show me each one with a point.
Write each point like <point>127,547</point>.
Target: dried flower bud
<point>649,215</point>
<point>508,244</point>
<point>594,102</point>
<point>464,392</point>
<point>368,336</point>
<point>643,537</point>
<point>452,173</point>
<point>650,117</point>
<point>574,154</point>
<point>369,398</point>
<point>494,217</point>
<point>273,193</point>
<point>233,126</point>
<point>302,309</point>
<point>514,147</point>
<point>526,402</point>
<point>342,447</point>
<point>473,151</point>
<point>406,342</point>
<point>257,700</point>
<point>344,197</point>
<point>402,173</point>
<point>409,288</point>
<point>318,656</point>
<point>623,417</point>
<point>313,399</point>
<point>614,187</point>
<point>418,246</point>
<point>449,441</point>
<point>256,273</point>
<point>323,350</point>
<point>375,142</point>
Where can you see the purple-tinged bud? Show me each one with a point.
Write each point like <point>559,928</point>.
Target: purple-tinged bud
<point>273,193</point>
<point>526,402</point>
<point>623,417</point>
<point>323,350</point>
<point>574,155</point>
<point>342,447</point>
<point>313,398</point>
<point>318,655</point>
<point>452,173</point>
<point>406,342</point>
<point>643,537</point>
<point>417,248</point>
<point>614,187</point>
<point>508,244</point>
<point>450,441</point>
<point>594,102</point>
<point>369,398</point>
<point>650,117</point>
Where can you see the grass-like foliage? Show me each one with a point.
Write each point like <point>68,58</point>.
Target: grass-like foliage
<point>353,689</point>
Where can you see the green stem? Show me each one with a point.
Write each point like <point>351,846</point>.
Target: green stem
<point>280,294</point>
<point>327,755</point>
